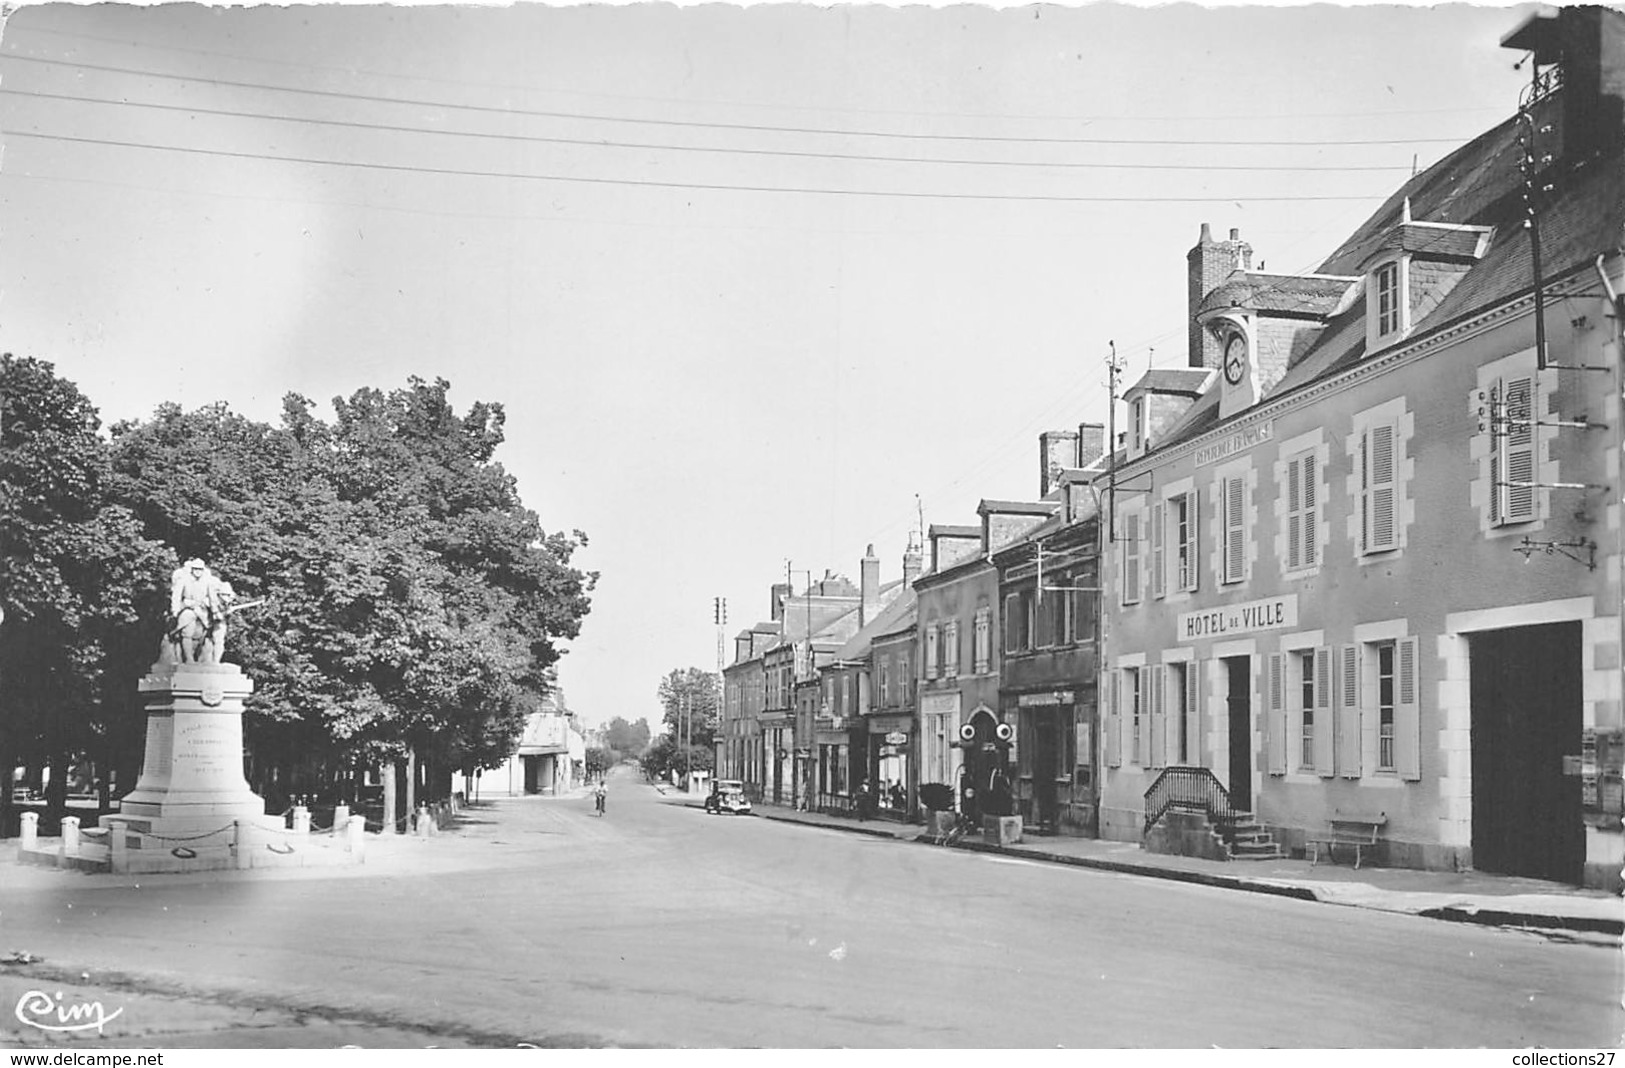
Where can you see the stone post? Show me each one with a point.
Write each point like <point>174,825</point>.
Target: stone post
<point>118,844</point>
<point>70,836</point>
<point>29,830</point>
<point>341,818</point>
<point>301,819</point>
<point>354,836</point>
<point>425,822</point>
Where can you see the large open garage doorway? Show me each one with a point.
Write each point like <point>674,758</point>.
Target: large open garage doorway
<point>1526,716</point>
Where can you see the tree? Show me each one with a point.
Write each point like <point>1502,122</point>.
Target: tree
<point>629,738</point>
<point>688,701</point>
<point>413,603</point>
<point>72,583</point>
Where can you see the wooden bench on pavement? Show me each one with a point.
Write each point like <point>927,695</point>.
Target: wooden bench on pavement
<point>1361,832</point>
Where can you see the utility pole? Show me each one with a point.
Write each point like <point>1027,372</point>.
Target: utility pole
<point>719,614</point>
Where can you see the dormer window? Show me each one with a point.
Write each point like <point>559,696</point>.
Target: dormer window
<point>1387,311</point>
<point>1138,424</point>
<point>1387,281</point>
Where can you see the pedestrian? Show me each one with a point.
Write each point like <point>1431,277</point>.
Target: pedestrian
<point>865,791</point>
<point>599,796</point>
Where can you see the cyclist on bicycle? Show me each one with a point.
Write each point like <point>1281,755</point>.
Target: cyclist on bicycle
<point>599,795</point>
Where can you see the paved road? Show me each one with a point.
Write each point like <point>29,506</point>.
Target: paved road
<point>661,925</point>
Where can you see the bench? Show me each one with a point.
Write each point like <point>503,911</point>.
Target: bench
<point>1361,832</point>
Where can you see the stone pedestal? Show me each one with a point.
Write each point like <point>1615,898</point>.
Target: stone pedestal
<point>192,773</point>
<point>1001,830</point>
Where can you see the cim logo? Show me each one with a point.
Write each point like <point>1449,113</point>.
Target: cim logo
<point>38,1009</point>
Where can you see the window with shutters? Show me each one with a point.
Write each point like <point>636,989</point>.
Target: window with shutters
<point>1378,489</point>
<point>982,649</point>
<point>1512,452</point>
<point>1302,493</point>
<point>1182,529</point>
<point>885,681</point>
<point>1085,602</point>
<point>1233,498</point>
<point>1131,558</point>
<point>1306,709</point>
<point>950,649</point>
<point>1385,705</point>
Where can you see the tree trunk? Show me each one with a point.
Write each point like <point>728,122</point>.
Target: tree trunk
<point>411,782</point>
<point>390,770</point>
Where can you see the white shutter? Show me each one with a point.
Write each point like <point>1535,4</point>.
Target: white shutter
<point>1519,451</point>
<point>1275,719</point>
<point>1193,509</point>
<point>1193,713</point>
<point>1407,710</point>
<point>1113,725</point>
<point>1348,712</point>
<point>1159,563</point>
<point>1377,498</point>
<point>1308,522</point>
<point>1143,739</point>
<point>1324,729</point>
<point>1294,514</point>
<point>1234,546</point>
<point>1159,717</point>
<point>1131,558</point>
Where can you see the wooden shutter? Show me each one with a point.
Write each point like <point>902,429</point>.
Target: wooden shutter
<point>1407,709</point>
<point>1348,712</point>
<point>1193,713</point>
<point>1234,545</point>
<point>1307,555</point>
<point>1159,716</point>
<point>1193,510</point>
<point>1112,727</point>
<point>1131,558</point>
<point>1275,718</point>
<point>1377,499</point>
<point>1159,562</point>
<point>1143,681</point>
<point>1294,514</point>
<point>1519,451</point>
<point>1324,726</point>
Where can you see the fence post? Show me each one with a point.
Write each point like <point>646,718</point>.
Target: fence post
<point>354,833</point>
<point>29,830</point>
<point>301,820</point>
<point>70,836</point>
<point>425,822</point>
<point>341,818</point>
<point>118,844</point>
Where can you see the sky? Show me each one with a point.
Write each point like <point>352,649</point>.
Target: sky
<point>758,287</point>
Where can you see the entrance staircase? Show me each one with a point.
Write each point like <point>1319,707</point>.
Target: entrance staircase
<point>1188,811</point>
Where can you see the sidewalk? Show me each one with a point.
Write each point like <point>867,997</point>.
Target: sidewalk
<point>1467,896</point>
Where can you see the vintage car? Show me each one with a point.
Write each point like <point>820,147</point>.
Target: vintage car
<point>727,795</point>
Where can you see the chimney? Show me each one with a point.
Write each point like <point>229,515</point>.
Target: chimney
<point>913,558</point>
<point>780,593</point>
<point>869,586</point>
<point>1091,444</point>
<point>1209,263</point>
<point>1056,451</point>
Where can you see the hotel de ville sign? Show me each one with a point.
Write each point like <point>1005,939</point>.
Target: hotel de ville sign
<point>1248,617</point>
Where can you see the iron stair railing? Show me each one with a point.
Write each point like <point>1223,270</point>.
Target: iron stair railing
<point>1187,787</point>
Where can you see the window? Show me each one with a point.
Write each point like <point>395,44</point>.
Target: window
<point>1179,681</point>
<point>1512,452</point>
<point>1300,511</point>
<point>885,680</point>
<point>1378,531</point>
<point>1132,694</point>
<point>1182,520</point>
<point>982,650</point>
<point>1084,602</point>
<point>1306,673</point>
<point>1052,615</point>
<point>1018,622</point>
<point>1385,706</point>
<point>1131,558</point>
<point>1233,498</point>
<point>1389,299</point>
<point>950,649</point>
<point>1139,423</point>
<point>932,650</point>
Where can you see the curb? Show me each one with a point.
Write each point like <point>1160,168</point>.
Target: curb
<point>1449,913</point>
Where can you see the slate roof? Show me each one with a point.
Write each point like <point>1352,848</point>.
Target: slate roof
<point>1479,184</point>
<point>891,618</point>
<point>1173,380</point>
<point>1305,295</point>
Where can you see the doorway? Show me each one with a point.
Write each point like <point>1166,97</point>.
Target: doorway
<point>1527,715</point>
<point>1239,702</point>
<point>1046,767</point>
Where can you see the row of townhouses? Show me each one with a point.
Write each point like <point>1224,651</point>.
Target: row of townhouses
<point>1360,558</point>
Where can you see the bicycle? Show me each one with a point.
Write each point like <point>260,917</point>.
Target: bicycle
<point>954,832</point>
<point>598,803</point>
